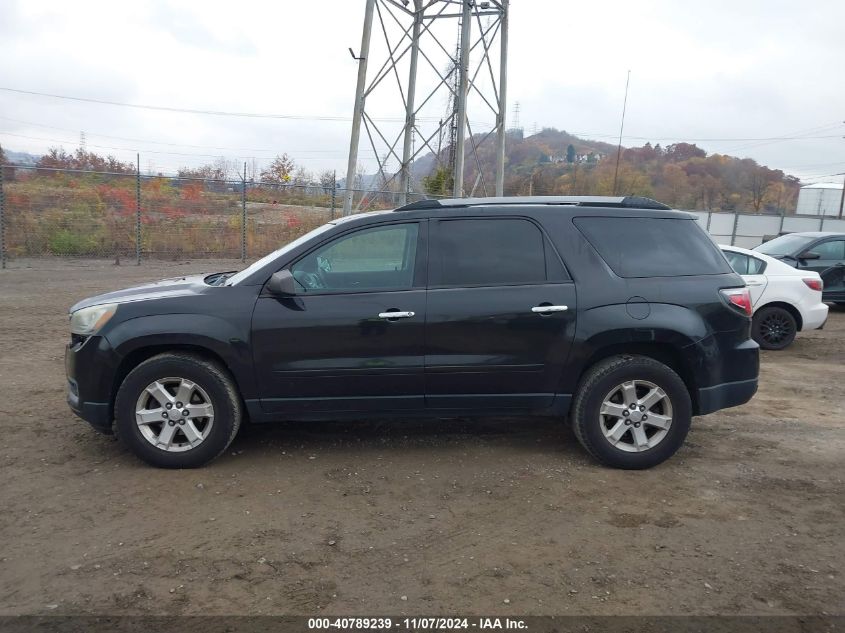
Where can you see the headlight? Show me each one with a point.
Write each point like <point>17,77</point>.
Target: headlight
<point>88,321</point>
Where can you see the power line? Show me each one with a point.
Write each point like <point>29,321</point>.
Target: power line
<point>149,142</point>
<point>250,115</point>
<point>297,117</point>
<point>150,151</point>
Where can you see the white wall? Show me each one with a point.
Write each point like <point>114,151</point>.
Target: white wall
<point>816,201</point>
<point>748,230</point>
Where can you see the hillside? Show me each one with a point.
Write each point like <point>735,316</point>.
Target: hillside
<point>553,162</point>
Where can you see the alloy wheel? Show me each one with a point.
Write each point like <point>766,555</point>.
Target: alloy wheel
<point>635,416</point>
<point>174,414</point>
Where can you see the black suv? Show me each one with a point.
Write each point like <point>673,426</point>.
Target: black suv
<point>616,313</point>
<point>822,251</point>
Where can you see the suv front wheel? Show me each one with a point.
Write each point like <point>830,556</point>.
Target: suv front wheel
<point>631,412</point>
<point>177,410</point>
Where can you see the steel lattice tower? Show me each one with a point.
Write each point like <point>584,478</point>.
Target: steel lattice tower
<point>415,59</point>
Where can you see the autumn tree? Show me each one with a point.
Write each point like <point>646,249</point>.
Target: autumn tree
<point>8,172</point>
<point>58,158</point>
<point>280,171</point>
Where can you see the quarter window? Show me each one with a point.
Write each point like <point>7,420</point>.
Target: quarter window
<point>490,252</point>
<point>744,264</point>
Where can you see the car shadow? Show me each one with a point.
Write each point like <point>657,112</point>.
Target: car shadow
<point>518,432</point>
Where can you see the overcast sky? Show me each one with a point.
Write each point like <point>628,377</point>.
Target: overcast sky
<point>738,69</point>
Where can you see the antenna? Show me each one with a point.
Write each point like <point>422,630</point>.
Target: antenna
<point>82,143</point>
<point>516,116</point>
<point>621,127</point>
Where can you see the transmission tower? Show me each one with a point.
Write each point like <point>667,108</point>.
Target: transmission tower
<point>409,62</point>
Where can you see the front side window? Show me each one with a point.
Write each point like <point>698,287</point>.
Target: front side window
<point>490,252</point>
<point>834,249</point>
<point>379,258</point>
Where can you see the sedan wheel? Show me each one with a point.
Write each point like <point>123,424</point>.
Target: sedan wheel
<point>774,328</point>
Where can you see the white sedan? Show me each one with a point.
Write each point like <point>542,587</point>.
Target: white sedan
<point>785,300</point>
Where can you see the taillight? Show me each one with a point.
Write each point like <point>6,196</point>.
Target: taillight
<point>739,298</point>
<point>814,284</point>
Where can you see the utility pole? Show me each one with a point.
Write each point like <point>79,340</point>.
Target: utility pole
<point>842,200</point>
<point>461,99</point>
<point>358,112</point>
<point>503,89</point>
<point>621,128</point>
<point>410,113</point>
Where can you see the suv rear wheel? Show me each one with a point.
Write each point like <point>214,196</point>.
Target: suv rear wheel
<point>177,411</point>
<point>631,412</point>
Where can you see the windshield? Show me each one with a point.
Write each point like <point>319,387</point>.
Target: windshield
<point>246,272</point>
<point>784,245</point>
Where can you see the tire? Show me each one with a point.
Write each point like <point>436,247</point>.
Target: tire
<point>604,382</point>
<point>192,440</point>
<point>773,328</point>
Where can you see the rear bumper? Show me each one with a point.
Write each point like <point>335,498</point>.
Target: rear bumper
<point>815,317</point>
<point>727,394</point>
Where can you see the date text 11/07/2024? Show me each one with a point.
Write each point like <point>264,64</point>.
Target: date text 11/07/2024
<point>421,623</point>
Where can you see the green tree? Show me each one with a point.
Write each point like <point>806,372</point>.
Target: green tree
<point>439,183</point>
<point>570,154</point>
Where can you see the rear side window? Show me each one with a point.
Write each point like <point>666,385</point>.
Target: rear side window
<point>653,247</point>
<point>482,252</point>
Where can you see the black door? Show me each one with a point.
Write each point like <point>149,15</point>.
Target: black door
<point>500,316</point>
<point>352,339</point>
<point>830,265</point>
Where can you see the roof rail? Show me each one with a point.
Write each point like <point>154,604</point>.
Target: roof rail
<point>625,202</point>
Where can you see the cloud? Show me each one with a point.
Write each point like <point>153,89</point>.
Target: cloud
<point>712,70</point>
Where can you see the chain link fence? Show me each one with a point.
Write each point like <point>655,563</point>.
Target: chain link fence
<point>130,217</point>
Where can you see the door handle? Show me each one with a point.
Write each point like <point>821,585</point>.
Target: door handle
<point>395,315</point>
<point>753,283</point>
<point>549,309</point>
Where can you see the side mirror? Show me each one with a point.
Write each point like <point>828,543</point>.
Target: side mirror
<point>808,255</point>
<point>282,284</point>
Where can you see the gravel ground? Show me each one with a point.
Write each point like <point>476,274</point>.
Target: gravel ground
<point>441,517</point>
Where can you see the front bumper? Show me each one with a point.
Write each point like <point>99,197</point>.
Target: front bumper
<point>90,367</point>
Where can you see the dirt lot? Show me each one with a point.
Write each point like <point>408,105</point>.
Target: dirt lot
<point>486,516</point>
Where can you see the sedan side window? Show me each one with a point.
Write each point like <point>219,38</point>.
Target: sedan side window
<point>379,258</point>
<point>738,262</point>
<point>756,266</point>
